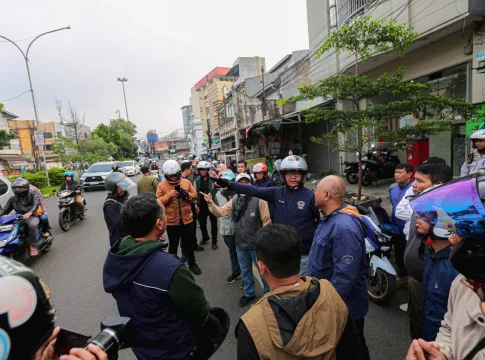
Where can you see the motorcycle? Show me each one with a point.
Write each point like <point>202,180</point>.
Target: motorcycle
<point>156,173</point>
<point>13,238</point>
<point>381,275</point>
<point>374,168</point>
<point>68,209</point>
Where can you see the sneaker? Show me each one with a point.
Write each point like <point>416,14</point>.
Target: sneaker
<point>198,248</point>
<point>242,286</point>
<point>204,241</point>
<point>195,269</point>
<point>244,300</point>
<point>233,278</point>
<point>214,247</point>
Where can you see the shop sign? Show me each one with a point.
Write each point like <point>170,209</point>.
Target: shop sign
<point>39,137</point>
<point>480,55</point>
<point>254,161</point>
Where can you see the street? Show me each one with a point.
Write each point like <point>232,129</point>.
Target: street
<point>73,271</point>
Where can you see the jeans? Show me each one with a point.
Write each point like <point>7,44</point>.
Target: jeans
<point>44,220</point>
<point>415,305</point>
<point>32,225</point>
<point>181,234</point>
<point>203,214</point>
<point>230,241</point>
<point>304,265</point>
<point>246,258</point>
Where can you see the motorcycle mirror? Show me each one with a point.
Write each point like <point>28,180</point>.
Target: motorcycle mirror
<point>373,216</point>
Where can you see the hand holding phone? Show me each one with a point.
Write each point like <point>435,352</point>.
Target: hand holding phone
<point>67,340</point>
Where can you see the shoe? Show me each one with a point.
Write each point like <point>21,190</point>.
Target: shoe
<point>161,238</point>
<point>242,286</point>
<point>33,251</point>
<point>183,258</point>
<point>214,247</point>
<point>233,278</point>
<point>402,282</point>
<point>198,248</point>
<point>204,241</point>
<point>195,269</point>
<point>244,300</point>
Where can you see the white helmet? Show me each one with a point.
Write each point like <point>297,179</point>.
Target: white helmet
<point>215,163</point>
<point>277,164</point>
<point>203,165</point>
<point>243,176</point>
<point>478,135</point>
<point>294,163</point>
<point>170,168</point>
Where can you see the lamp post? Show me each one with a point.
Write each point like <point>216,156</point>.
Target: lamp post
<point>123,80</point>
<point>26,58</point>
<point>119,116</point>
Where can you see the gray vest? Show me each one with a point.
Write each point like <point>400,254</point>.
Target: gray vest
<point>249,224</point>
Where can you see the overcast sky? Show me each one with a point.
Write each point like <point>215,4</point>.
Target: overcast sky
<point>162,47</point>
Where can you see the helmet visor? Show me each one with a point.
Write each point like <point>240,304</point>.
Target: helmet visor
<point>126,184</point>
<point>455,207</point>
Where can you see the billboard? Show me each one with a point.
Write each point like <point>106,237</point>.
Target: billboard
<point>152,137</point>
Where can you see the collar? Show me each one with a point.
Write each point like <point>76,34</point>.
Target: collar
<point>406,186</point>
<point>324,216</point>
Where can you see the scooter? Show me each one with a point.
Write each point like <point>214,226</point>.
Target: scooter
<point>13,238</point>
<point>156,173</point>
<point>381,275</point>
<point>68,209</point>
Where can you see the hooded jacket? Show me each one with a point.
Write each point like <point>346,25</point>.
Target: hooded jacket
<point>21,204</point>
<point>338,255</point>
<point>309,321</point>
<point>159,295</point>
<point>293,207</point>
<point>112,217</point>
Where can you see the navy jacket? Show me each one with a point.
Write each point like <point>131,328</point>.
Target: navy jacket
<point>112,217</point>
<point>264,183</point>
<point>293,207</point>
<point>396,193</point>
<point>338,255</point>
<point>139,283</point>
<point>437,278</point>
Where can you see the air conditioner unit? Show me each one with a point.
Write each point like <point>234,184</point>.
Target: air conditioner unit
<point>481,67</point>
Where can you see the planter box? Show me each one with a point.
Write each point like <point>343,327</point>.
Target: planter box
<point>366,200</point>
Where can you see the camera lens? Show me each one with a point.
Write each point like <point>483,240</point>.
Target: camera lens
<point>107,340</point>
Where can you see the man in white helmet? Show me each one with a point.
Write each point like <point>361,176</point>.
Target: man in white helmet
<point>475,160</point>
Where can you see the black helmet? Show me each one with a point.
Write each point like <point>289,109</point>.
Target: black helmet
<point>117,179</point>
<point>213,333</point>
<point>20,183</point>
<point>27,316</point>
<point>115,167</point>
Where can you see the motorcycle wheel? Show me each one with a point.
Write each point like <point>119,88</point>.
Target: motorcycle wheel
<point>65,221</point>
<point>382,287</point>
<point>366,182</point>
<point>352,178</point>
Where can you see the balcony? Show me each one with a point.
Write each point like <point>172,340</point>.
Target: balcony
<point>227,127</point>
<point>347,9</point>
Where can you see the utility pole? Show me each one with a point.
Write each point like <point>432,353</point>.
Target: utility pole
<point>209,133</point>
<point>263,105</point>
<point>123,80</point>
<point>26,58</point>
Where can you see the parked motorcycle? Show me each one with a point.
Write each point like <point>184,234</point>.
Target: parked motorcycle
<point>13,238</point>
<point>381,275</point>
<point>68,209</point>
<point>374,167</point>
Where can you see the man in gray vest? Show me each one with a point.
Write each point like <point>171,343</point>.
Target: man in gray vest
<point>476,160</point>
<point>250,214</point>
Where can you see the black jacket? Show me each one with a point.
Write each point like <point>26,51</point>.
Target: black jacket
<point>70,185</point>
<point>24,204</point>
<point>112,216</point>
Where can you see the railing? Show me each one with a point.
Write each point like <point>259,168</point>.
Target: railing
<point>347,9</point>
<point>227,127</point>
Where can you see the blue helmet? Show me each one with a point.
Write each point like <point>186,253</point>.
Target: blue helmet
<point>69,173</point>
<point>228,175</point>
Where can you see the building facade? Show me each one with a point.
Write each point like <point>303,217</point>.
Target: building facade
<point>186,117</point>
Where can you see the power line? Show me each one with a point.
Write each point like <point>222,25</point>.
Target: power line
<point>16,96</point>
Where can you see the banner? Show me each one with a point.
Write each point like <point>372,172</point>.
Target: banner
<point>39,137</point>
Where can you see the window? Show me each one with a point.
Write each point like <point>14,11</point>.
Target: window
<point>332,10</point>
<point>3,188</point>
<point>48,147</point>
<point>47,135</point>
<point>59,133</point>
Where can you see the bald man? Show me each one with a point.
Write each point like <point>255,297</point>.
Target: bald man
<point>338,250</point>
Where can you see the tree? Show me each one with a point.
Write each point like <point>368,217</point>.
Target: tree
<point>74,124</point>
<point>125,125</point>
<point>66,150</point>
<point>5,138</point>
<point>356,129</point>
<point>121,133</point>
<point>96,149</point>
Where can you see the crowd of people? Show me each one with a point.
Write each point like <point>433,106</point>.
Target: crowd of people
<point>309,247</point>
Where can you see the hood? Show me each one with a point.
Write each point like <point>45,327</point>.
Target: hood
<point>350,210</point>
<point>100,173</point>
<point>126,259</point>
<point>306,321</point>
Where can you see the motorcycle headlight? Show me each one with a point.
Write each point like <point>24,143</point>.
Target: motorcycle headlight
<point>383,239</point>
<point>368,247</point>
<point>12,235</point>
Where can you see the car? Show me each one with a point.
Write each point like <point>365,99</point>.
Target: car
<point>93,177</point>
<point>5,191</point>
<point>131,167</point>
<point>120,166</point>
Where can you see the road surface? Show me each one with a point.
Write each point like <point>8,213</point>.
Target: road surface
<point>73,270</point>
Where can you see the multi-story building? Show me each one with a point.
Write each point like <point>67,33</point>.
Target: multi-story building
<point>10,156</point>
<point>196,137</point>
<point>186,117</point>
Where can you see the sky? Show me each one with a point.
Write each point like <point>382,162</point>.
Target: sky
<point>162,47</point>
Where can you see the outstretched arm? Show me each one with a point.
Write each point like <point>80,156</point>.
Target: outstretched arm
<point>267,194</point>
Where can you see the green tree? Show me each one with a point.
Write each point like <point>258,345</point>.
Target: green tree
<point>354,130</point>
<point>121,133</point>
<point>124,125</point>
<point>5,138</point>
<point>96,149</point>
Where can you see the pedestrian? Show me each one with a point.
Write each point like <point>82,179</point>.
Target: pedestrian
<point>176,194</point>
<point>242,167</point>
<point>294,204</point>
<point>227,227</point>
<point>153,288</point>
<point>147,183</point>
<point>205,184</point>
<point>250,215</point>
<point>233,167</point>
<point>426,177</point>
<point>276,177</point>
<point>476,160</point>
<point>260,172</point>
<point>338,252</point>
<point>118,186</point>
<point>320,326</point>
<point>403,174</point>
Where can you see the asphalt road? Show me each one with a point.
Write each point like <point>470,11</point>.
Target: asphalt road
<point>73,271</point>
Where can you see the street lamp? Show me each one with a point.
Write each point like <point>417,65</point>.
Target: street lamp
<point>119,116</point>
<point>123,80</point>
<point>26,58</point>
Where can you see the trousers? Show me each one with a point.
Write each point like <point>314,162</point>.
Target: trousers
<point>364,350</point>
<point>230,241</point>
<point>415,305</point>
<point>32,224</point>
<point>181,234</point>
<point>203,214</point>
<point>246,258</point>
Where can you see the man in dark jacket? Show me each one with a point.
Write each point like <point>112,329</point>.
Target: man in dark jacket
<point>71,184</point>
<point>260,172</point>
<point>294,205</point>
<point>265,331</point>
<point>118,186</point>
<point>153,288</point>
<point>338,251</point>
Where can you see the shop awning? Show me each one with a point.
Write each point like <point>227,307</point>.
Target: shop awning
<point>229,150</point>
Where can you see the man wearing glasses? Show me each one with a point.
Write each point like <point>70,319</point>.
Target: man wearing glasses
<point>294,205</point>
<point>476,160</point>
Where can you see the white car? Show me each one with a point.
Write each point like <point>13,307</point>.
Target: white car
<point>5,191</point>
<point>131,167</point>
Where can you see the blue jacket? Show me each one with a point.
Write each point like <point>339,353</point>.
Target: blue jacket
<point>396,193</point>
<point>139,283</point>
<point>293,207</point>
<point>437,278</point>
<point>264,183</point>
<point>338,255</point>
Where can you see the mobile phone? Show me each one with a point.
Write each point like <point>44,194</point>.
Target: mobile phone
<point>67,339</point>
<point>177,188</point>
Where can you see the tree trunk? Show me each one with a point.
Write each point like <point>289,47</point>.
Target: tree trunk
<point>360,146</point>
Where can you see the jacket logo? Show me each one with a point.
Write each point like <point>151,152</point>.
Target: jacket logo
<point>347,259</point>
<point>281,201</point>
<point>252,213</point>
<point>300,204</point>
